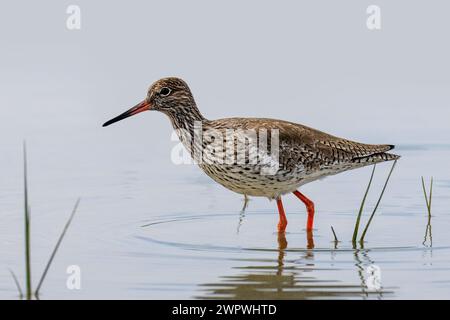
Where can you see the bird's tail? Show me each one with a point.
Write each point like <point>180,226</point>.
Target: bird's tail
<point>376,157</point>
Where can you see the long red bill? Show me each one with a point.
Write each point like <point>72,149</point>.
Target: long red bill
<point>140,107</point>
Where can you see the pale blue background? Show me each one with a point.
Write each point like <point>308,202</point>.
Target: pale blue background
<point>312,62</point>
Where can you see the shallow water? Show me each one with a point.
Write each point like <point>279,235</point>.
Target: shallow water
<point>149,229</point>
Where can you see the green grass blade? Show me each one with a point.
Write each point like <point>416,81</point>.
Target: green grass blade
<point>19,289</point>
<point>334,234</point>
<point>361,240</point>
<point>431,194</point>
<point>27,227</point>
<point>425,195</point>
<point>52,256</point>
<point>361,208</point>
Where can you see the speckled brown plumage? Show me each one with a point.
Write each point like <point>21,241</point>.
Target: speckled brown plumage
<point>305,154</point>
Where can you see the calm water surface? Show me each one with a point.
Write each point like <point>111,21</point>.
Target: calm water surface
<point>147,228</point>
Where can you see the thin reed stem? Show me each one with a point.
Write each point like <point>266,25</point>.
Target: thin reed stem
<point>334,234</point>
<point>431,194</point>
<point>361,240</point>
<point>19,289</point>
<point>52,256</point>
<point>426,196</point>
<point>361,208</point>
<point>29,291</point>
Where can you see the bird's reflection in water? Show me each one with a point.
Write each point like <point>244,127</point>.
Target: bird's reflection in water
<point>283,278</point>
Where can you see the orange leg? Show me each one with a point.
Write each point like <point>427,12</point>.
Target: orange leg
<point>309,207</point>
<point>283,221</point>
<point>309,239</point>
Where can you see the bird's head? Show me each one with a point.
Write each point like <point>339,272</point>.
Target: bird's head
<point>171,96</point>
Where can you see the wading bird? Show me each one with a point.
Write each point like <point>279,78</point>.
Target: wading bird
<point>303,154</point>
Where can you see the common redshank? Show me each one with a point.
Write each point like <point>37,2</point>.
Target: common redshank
<point>299,155</point>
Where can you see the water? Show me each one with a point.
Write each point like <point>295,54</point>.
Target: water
<point>147,228</point>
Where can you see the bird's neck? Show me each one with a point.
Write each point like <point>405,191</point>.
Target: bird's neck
<point>185,117</point>
<point>187,121</point>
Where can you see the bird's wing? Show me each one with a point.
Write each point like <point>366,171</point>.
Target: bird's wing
<point>310,147</point>
<point>315,148</point>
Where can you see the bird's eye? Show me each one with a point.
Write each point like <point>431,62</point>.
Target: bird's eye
<point>165,91</point>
